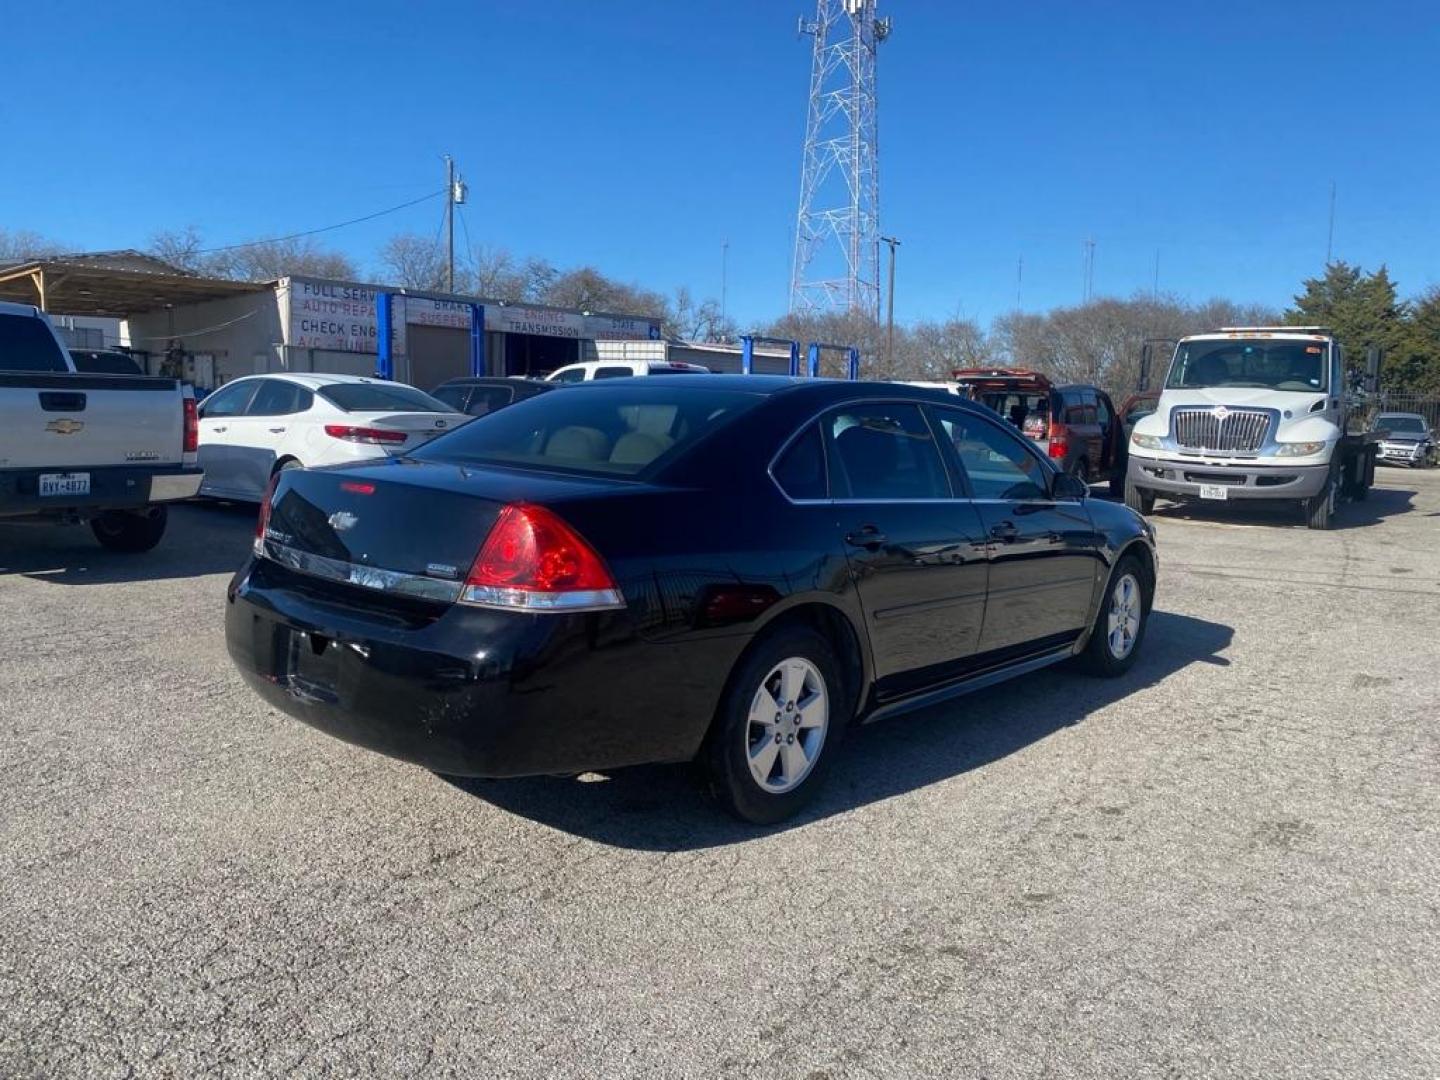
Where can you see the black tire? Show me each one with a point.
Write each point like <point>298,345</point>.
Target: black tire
<point>732,740</point>
<point>286,464</point>
<point>1099,657</point>
<point>122,530</point>
<point>1320,509</point>
<point>1138,499</point>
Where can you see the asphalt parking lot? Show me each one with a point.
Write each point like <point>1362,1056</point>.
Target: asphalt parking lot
<point>1226,864</point>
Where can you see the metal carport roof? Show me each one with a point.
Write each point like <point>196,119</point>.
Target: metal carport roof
<point>111,283</point>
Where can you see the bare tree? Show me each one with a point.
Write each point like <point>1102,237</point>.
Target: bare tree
<point>413,261</point>
<point>693,321</point>
<point>262,261</point>
<point>22,245</point>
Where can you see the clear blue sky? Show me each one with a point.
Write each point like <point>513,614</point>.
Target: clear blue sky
<point>637,136</point>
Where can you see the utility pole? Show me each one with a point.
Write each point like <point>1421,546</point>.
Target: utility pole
<point>1019,279</point>
<point>449,223</point>
<point>1330,239</point>
<point>890,307</point>
<point>1155,285</point>
<point>724,279</point>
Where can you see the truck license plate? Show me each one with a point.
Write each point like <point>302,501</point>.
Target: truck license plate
<point>64,483</point>
<point>1214,491</point>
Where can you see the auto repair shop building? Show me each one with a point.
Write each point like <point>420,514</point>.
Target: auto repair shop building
<point>315,324</point>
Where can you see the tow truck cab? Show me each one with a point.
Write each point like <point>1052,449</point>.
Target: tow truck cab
<point>1254,412</point>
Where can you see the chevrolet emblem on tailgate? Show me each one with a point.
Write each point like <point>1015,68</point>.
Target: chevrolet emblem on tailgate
<point>65,427</point>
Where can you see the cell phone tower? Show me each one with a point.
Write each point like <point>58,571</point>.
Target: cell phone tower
<point>837,232</point>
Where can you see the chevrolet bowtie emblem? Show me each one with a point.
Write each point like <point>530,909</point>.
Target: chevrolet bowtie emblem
<point>65,427</point>
<point>1220,412</point>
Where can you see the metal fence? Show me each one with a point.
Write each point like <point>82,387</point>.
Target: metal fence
<point>1427,405</point>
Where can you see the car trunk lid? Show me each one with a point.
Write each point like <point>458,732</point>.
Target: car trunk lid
<point>417,427</point>
<point>400,525</point>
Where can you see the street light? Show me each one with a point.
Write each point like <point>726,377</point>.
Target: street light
<point>890,308</point>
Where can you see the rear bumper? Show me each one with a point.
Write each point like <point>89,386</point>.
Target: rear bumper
<point>112,487</point>
<point>466,691</point>
<point>1183,479</point>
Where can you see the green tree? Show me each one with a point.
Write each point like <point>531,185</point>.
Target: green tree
<point>1414,366</point>
<point>1363,309</point>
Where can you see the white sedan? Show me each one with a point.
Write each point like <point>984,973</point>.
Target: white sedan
<point>253,427</point>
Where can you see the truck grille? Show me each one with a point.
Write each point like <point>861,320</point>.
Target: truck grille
<point>1236,431</point>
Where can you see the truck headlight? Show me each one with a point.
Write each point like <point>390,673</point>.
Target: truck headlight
<point>1299,449</point>
<point>1145,442</point>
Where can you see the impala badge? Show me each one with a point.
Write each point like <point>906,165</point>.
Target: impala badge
<point>342,520</point>
<point>65,427</point>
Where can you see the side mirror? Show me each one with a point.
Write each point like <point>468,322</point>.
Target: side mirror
<point>1066,486</point>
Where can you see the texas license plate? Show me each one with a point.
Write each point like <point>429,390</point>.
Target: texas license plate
<point>1214,491</point>
<point>64,483</point>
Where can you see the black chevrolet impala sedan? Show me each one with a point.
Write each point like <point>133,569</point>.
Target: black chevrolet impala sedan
<point>725,569</point>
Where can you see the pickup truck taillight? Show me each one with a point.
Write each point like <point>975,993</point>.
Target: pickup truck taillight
<point>1059,440</point>
<point>192,426</point>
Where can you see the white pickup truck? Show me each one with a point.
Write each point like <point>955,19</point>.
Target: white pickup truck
<point>1255,412</point>
<point>110,450</point>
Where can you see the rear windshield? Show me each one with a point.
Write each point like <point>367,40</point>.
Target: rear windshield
<point>380,397</point>
<point>619,428</point>
<point>26,344</point>
<point>105,363</point>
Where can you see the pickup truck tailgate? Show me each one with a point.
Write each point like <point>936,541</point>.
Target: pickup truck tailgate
<point>64,420</point>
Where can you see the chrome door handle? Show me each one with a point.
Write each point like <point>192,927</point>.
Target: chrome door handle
<point>867,537</point>
<point>276,430</point>
<point>1005,531</point>
<point>222,427</point>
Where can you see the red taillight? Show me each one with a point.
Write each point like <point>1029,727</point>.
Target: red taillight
<point>1059,439</point>
<point>264,521</point>
<point>192,426</point>
<point>533,561</point>
<point>356,488</point>
<point>374,436</point>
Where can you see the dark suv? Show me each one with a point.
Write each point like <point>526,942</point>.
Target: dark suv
<point>1077,426</point>
<point>478,395</point>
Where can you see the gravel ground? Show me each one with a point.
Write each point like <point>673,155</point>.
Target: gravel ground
<point>1225,864</point>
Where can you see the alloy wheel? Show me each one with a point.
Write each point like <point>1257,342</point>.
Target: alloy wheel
<point>789,716</point>
<point>1123,619</point>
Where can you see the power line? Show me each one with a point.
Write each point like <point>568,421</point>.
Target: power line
<point>322,229</point>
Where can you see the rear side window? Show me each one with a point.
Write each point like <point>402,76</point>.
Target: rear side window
<point>883,451</point>
<point>486,399</point>
<point>276,397</point>
<point>380,397</point>
<point>454,396</point>
<point>613,372</point>
<point>998,464</point>
<point>228,400</point>
<point>620,429</point>
<point>26,344</point>
<point>800,471</point>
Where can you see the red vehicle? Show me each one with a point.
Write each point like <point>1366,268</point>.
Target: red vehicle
<point>1077,426</point>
